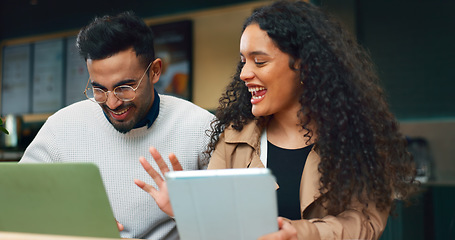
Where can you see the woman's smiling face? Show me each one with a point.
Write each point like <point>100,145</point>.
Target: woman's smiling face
<point>273,85</point>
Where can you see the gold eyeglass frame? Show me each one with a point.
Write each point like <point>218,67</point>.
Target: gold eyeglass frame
<point>113,91</point>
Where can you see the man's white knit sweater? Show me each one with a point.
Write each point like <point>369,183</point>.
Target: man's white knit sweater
<point>82,133</point>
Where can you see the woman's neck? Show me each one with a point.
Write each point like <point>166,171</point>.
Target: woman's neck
<point>285,131</point>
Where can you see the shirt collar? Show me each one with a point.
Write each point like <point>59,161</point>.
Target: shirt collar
<point>152,114</point>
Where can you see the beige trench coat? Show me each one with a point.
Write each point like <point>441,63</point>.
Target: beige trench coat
<point>242,150</point>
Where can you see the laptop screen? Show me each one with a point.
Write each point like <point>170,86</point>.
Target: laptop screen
<point>55,198</point>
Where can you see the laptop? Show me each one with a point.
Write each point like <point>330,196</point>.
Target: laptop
<point>55,198</point>
<point>223,204</point>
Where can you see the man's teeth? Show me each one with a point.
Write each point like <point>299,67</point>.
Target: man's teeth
<point>121,112</point>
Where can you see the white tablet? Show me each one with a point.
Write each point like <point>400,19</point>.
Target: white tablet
<point>223,204</point>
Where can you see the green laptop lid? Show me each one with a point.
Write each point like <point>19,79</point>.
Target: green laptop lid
<point>55,198</point>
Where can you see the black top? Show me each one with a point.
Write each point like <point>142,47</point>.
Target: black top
<point>287,167</point>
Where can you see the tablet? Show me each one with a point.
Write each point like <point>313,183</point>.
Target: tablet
<point>223,204</point>
<point>55,198</point>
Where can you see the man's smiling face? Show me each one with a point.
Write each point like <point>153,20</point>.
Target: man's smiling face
<point>124,68</point>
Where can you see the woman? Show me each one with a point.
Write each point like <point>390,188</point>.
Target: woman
<point>305,103</point>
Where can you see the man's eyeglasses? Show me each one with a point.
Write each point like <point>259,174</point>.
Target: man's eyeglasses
<point>124,93</point>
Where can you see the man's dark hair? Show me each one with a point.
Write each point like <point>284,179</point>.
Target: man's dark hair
<point>105,36</point>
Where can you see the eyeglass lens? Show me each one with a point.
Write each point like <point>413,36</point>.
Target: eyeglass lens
<point>124,93</point>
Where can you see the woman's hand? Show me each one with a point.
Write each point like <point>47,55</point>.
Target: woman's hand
<point>286,232</point>
<point>161,196</point>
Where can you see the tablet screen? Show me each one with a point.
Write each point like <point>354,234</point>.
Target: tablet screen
<point>223,204</point>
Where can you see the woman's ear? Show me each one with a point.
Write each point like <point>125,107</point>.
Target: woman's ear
<point>297,64</point>
<point>155,70</point>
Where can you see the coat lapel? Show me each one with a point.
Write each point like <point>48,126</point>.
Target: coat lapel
<point>309,185</point>
<point>249,135</point>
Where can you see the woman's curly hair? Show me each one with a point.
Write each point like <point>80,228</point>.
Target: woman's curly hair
<point>363,155</point>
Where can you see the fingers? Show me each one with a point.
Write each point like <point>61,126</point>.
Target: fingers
<point>280,222</point>
<point>159,191</point>
<point>159,160</point>
<point>175,162</point>
<point>146,187</point>
<point>286,232</point>
<point>119,226</point>
<point>280,235</point>
<point>272,236</point>
<point>176,166</point>
<point>151,171</point>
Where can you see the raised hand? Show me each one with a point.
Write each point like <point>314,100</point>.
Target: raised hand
<point>161,194</point>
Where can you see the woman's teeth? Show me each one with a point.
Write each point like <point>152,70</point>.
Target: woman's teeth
<point>254,90</point>
<point>257,97</point>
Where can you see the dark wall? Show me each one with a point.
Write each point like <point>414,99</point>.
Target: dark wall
<point>412,43</point>
<point>20,18</point>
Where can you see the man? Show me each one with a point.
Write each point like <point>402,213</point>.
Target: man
<point>122,118</point>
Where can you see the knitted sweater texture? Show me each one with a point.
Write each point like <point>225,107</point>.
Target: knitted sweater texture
<point>81,133</point>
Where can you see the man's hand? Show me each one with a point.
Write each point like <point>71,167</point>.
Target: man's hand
<point>161,196</point>
<point>286,232</point>
<point>119,226</point>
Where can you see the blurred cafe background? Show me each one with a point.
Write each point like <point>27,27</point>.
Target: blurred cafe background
<point>410,41</point>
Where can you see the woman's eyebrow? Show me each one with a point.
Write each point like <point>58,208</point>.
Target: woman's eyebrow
<point>255,53</point>
<point>258,53</point>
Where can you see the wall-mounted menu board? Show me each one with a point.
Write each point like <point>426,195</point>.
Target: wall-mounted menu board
<point>47,76</point>
<point>42,77</point>
<point>76,73</point>
<point>16,79</point>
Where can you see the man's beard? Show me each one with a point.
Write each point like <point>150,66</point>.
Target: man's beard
<point>121,126</point>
